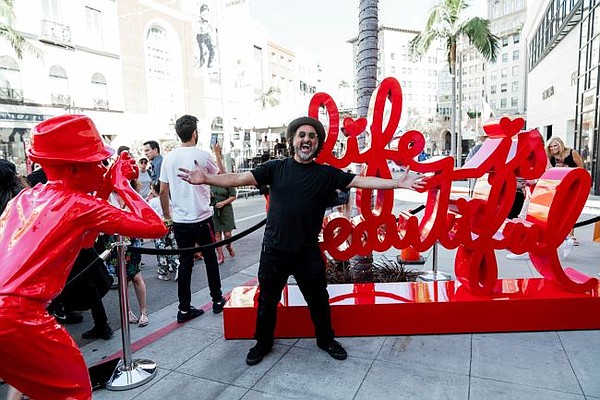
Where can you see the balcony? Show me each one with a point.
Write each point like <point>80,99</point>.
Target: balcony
<point>100,104</point>
<point>61,100</point>
<point>9,95</point>
<point>56,34</point>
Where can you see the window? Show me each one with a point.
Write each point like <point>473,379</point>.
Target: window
<point>99,91</point>
<point>51,10</point>
<point>493,89</point>
<point>504,72</point>
<point>503,88</point>
<point>502,103</point>
<point>515,55</point>
<point>513,102</point>
<point>504,57</point>
<point>159,70</point>
<point>59,86</point>
<point>516,38</point>
<point>10,79</point>
<point>515,86</point>
<point>393,56</point>
<point>515,70</point>
<point>93,23</point>
<point>505,41</point>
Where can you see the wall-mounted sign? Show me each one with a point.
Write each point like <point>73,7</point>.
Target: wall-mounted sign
<point>548,93</point>
<point>588,101</point>
<point>13,116</point>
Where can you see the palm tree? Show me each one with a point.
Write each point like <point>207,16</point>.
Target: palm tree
<point>270,97</point>
<point>368,30</point>
<point>17,42</point>
<point>446,23</point>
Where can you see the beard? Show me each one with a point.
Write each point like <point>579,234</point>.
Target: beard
<point>303,155</point>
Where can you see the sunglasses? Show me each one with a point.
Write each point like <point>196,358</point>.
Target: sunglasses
<point>143,162</point>
<point>303,134</point>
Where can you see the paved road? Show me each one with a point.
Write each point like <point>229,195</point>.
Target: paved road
<point>248,212</point>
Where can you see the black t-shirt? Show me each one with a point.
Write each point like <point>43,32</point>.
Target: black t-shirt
<point>300,193</point>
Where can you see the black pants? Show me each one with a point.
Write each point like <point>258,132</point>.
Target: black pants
<point>517,205</point>
<point>308,269</point>
<point>188,235</point>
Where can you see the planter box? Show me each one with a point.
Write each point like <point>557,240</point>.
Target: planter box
<point>382,309</point>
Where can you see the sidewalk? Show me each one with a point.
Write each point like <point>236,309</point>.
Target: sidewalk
<point>196,362</point>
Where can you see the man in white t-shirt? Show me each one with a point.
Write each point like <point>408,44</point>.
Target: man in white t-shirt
<point>191,216</point>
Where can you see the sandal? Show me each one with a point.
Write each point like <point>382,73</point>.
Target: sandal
<point>230,250</point>
<point>132,318</point>
<point>143,319</point>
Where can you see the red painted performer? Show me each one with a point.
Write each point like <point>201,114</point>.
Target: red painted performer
<point>41,233</point>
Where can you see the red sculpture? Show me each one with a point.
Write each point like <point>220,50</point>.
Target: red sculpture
<point>477,301</point>
<point>41,233</point>
<point>476,226</point>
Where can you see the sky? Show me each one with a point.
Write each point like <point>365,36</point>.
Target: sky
<point>323,27</point>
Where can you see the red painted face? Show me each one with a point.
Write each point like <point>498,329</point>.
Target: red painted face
<point>88,177</point>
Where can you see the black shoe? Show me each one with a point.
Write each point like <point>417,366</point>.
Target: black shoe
<point>67,318</point>
<point>257,353</point>
<point>190,314</point>
<point>218,305</point>
<point>335,350</point>
<point>104,332</point>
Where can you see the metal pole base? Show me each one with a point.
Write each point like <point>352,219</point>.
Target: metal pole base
<point>435,276</point>
<point>141,372</point>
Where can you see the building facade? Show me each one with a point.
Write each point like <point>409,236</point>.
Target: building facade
<point>78,70</point>
<point>135,66</point>
<point>507,77</point>
<point>563,41</point>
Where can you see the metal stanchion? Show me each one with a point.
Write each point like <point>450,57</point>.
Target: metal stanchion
<point>435,275</point>
<point>129,373</point>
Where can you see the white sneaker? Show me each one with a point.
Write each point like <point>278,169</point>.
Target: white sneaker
<point>164,277</point>
<point>513,256</point>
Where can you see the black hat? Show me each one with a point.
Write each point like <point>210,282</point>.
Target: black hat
<point>315,123</point>
<point>8,172</point>
<point>297,123</point>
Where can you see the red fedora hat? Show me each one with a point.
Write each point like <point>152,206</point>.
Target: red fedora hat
<point>67,138</point>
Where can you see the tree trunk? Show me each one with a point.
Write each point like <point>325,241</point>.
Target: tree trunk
<point>368,21</point>
<point>453,114</point>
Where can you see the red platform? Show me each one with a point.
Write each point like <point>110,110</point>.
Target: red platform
<point>382,309</point>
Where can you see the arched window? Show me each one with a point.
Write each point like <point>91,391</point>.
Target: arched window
<point>159,70</point>
<point>59,86</point>
<point>10,80</point>
<point>99,91</point>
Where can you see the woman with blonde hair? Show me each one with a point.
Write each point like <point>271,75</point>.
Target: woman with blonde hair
<point>561,156</point>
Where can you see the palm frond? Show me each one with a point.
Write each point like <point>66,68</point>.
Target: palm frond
<point>478,31</point>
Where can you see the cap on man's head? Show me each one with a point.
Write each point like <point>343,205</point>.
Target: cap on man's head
<point>67,139</point>
<point>315,123</point>
<point>121,149</point>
